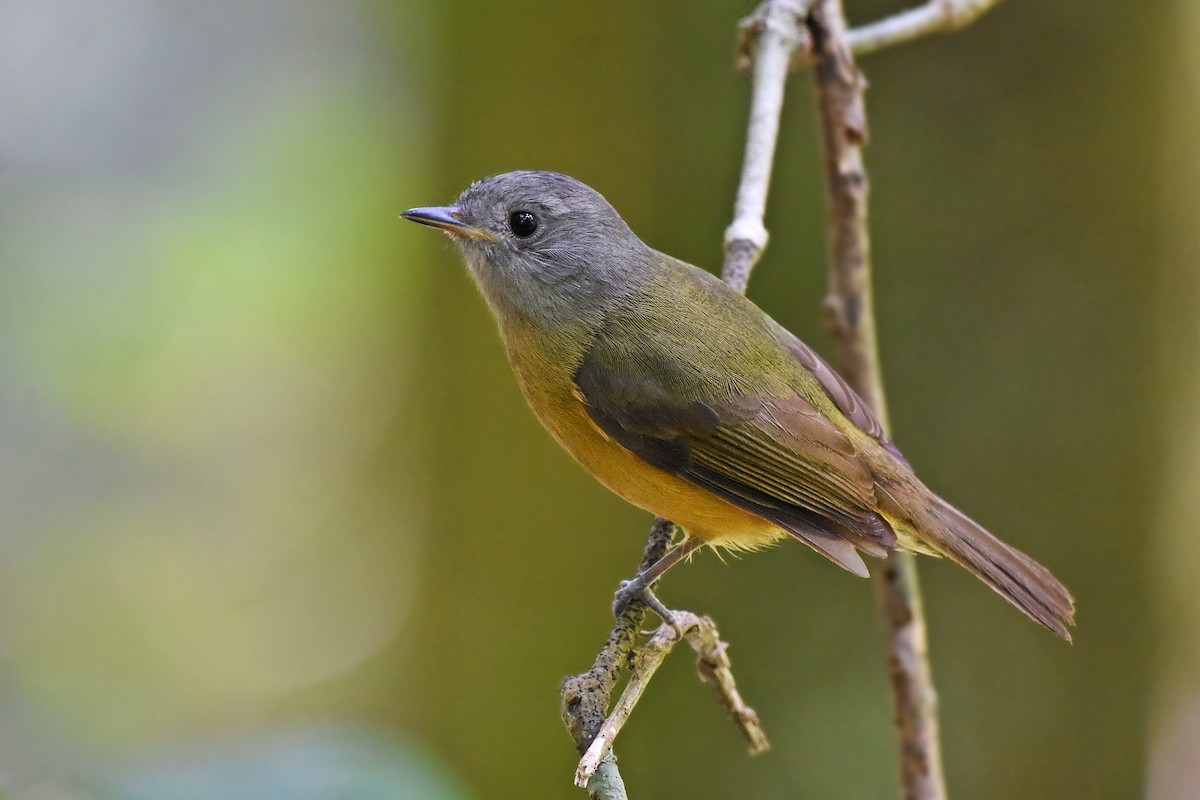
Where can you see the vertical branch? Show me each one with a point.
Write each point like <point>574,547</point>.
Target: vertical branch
<point>773,34</point>
<point>851,319</point>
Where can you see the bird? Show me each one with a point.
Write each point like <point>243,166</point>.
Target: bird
<point>686,399</point>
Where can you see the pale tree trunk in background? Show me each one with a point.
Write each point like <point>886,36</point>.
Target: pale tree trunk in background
<point>1175,734</point>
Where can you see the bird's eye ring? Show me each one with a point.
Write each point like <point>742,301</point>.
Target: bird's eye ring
<point>523,224</point>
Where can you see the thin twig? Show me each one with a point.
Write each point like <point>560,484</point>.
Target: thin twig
<point>713,665</point>
<point>771,35</point>
<point>851,318</point>
<point>649,658</point>
<point>715,669</point>
<point>936,16</point>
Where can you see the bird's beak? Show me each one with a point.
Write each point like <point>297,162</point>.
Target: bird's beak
<point>446,218</point>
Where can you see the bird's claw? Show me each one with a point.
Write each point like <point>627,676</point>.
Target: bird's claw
<point>635,589</point>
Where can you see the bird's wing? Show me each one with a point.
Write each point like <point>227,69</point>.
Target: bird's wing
<point>845,398</point>
<point>772,453</point>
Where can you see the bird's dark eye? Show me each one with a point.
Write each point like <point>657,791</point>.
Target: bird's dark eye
<point>522,224</point>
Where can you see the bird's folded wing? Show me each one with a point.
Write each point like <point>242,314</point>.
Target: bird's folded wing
<point>845,398</point>
<point>775,456</point>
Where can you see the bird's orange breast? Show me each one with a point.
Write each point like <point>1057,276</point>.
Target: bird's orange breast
<point>546,377</point>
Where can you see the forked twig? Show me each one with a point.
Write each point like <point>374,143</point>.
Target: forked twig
<point>712,663</point>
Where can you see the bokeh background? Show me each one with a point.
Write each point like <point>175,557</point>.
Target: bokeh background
<point>275,523</point>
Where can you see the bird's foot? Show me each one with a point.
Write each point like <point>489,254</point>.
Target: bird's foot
<point>638,589</point>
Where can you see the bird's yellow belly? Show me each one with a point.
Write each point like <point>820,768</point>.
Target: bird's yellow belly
<point>700,513</point>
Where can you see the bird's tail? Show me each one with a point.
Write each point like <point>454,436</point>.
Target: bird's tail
<point>1013,575</point>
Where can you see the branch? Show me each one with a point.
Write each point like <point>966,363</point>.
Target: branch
<point>714,668</point>
<point>607,783</point>
<point>775,32</point>
<point>585,697</point>
<point>772,36</point>
<point>716,671</point>
<point>936,16</point>
<point>851,318</point>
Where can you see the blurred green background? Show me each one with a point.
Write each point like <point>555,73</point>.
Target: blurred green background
<point>274,521</point>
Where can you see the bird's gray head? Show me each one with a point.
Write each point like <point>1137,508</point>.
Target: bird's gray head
<point>542,246</point>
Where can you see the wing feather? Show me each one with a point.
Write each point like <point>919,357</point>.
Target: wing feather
<point>773,454</point>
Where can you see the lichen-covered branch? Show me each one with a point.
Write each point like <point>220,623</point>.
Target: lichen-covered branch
<point>585,697</point>
<point>712,663</point>
<point>851,319</point>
